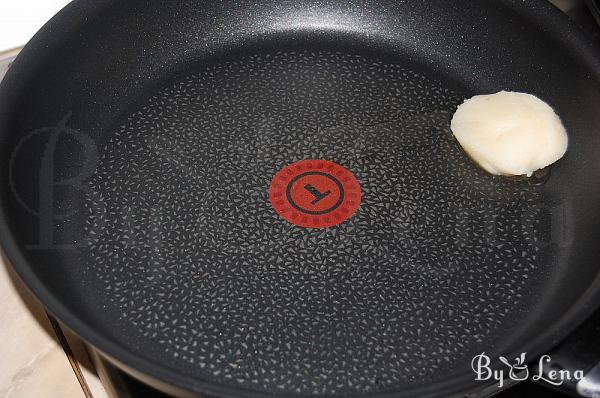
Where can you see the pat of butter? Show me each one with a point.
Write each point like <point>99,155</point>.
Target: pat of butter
<point>510,133</point>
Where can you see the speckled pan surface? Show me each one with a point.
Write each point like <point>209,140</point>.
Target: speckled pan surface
<point>165,251</point>
<point>220,287</point>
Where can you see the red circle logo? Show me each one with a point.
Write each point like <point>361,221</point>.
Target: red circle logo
<point>315,193</point>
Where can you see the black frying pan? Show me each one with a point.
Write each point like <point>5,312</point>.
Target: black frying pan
<point>139,140</point>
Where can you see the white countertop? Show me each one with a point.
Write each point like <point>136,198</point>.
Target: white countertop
<point>21,19</point>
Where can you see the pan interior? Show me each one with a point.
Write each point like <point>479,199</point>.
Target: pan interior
<point>193,267</point>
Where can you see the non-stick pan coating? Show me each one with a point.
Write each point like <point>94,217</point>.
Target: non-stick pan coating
<point>166,124</point>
